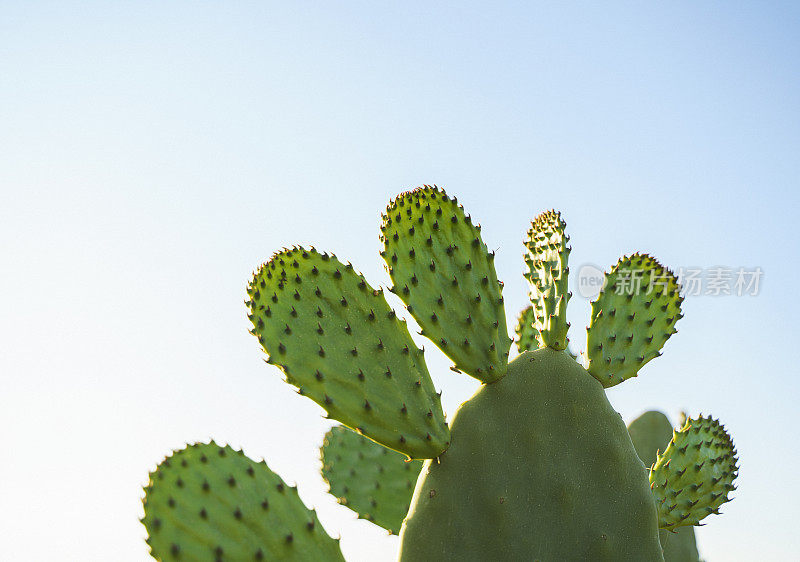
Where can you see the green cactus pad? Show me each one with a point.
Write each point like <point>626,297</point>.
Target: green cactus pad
<point>541,468</point>
<point>691,479</point>
<point>528,337</point>
<point>338,341</point>
<point>547,273</point>
<point>370,479</point>
<point>444,274</point>
<point>207,502</point>
<point>632,318</point>
<point>650,434</point>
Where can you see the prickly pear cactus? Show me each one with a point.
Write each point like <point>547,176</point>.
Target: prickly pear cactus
<point>530,450</point>
<point>537,465</point>
<point>651,433</point>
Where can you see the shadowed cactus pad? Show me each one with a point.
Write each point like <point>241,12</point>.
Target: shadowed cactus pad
<point>444,273</point>
<point>207,502</point>
<point>651,433</point>
<point>339,342</point>
<point>528,337</point>
<point>371,480</point>
<point>541,467</point>
<point>691,479</point>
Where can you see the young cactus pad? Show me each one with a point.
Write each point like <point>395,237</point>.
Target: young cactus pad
<point>691,479</point>
<point>371,480</point>
<point>528,337</point>
<point>207,502</point>
<point>651,433</point>
<point>339,342</point>
<point>547,273</point>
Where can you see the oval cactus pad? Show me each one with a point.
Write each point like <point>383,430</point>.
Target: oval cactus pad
<point>338,341</point>
<point>207,502</point>
<point>632,318</point>
<point>370,479</point>
<point>691,479</point>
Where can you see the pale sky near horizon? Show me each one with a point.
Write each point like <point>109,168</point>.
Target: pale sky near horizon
<point>153,155</point>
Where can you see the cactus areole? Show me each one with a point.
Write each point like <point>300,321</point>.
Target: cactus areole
<point>537,465</point>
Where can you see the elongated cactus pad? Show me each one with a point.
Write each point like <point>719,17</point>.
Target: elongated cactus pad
<point>207,502</point>
<point>541,468</point>
<point>444,274</point>
<point>632,318</point>
<point>368,478</point>
<point>547,273</point>
<point>338,341</point>
<point>528,337</point>
<point>650,434</point>
<point>691,479</point>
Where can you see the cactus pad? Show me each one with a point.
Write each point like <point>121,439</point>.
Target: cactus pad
<point>547,273</point>
<point>650,434</point>
<point>207,502</point>
<point>444,274</point>
<point>370,479</point>
<point>338,341</point>
<point>528,337</point>
<point>632,318</point>
<point>541,468</point>
<point>691,479</point>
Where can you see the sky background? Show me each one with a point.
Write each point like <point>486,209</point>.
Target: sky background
<point>152,155</point>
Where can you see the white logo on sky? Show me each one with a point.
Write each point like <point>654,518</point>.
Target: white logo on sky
<point>590,280</point>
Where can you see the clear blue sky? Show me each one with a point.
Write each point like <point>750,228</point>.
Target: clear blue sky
<point>153,155</point>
